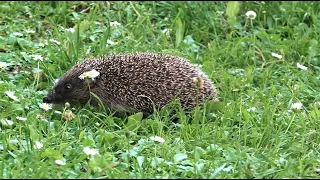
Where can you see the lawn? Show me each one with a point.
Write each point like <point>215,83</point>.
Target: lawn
<point>263,57</point>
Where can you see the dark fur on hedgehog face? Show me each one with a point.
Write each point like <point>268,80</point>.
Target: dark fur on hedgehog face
<point>69,90</point>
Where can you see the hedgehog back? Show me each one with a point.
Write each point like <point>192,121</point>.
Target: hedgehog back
<point>136,82</point>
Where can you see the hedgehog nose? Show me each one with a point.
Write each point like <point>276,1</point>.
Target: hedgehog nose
<point>47,99</point>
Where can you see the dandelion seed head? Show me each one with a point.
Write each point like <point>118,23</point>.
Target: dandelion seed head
<point>251,14</point>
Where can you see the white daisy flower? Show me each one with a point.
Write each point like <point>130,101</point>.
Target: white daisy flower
<point>38,57</point>
<point>166,32</point>
<point>115,23</point>
<point>55,41</point>
<point>90,74</point>
<point>60,162</point>
<point>252,109</point>
<point>297,105</point>
<point>157,138</point>
<point>70,30</point>
<point>17,34</point>
<point>93,74</point>
<point>3,65</point>
<point>90,152</point>
<point>6,122</point>
<point>302,66</point>
<point>45,106</point>
<point>11,95</point>
<point>21,118</point>
<point>251,14</point>
<point>30,31</point>
<point>38,145</point>
<point>276,55</point>
<point>220,12</point>
<point>111,42</point>
<point>41,44</point>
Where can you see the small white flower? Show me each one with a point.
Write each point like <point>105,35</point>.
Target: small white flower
<point>30,31</point>
<point>252,109</point>
<point>90,152</point>
<point>93,74</point>
<point>60,162</point>
<point>17,34</point>
<point>11,95</point>
<point>297,105</point>
<point>55,41</point>
<point>3,65</point>
<point>111,42</point>
<point>21,118</point>
<point>114,23</point>
<point>45,106</point>
<point>90,74</point>
<point>282,160</point>
<point>157,138</point>
<point>6,122</point>
<point>166,32</point>
<point>220,12</point>
<point>41,44</point>
<point>70,30</point>
<point>251,14</point>
<point>302,66</point>
<point>276,55</point>
<point>81,76</point>
<point>38,145</point>
<point>38,57</point>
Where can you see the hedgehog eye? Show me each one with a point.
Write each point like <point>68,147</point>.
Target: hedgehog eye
<point>68,86</point>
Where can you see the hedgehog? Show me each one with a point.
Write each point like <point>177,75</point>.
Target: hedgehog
<point>135,82</point>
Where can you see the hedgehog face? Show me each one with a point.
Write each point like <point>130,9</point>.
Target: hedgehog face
<point>68,91</point>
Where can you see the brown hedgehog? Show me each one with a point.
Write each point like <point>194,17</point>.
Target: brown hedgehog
<point>137,82</point>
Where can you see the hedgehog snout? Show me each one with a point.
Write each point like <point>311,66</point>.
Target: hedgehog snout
<point>47,99</point>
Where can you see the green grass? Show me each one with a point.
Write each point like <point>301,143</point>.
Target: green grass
<point>255,135</point>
